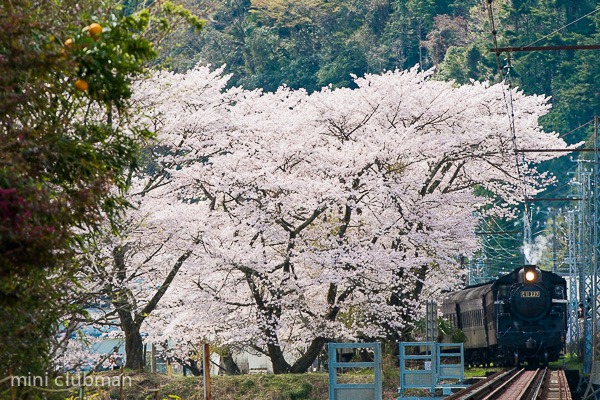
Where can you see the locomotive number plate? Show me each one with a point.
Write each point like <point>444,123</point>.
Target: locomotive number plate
<point>531,293</point>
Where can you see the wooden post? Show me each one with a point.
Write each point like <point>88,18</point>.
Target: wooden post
<point>153,358</point>
<point>12,389</point>
<point>206,371</point>
<point>169,366</point>
<point>156,387</point>
<point>121,384</point>
<point>82,387</point>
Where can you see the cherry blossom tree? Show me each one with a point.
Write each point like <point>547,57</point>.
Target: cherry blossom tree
<point>296,219</point>
<point>127,275</point>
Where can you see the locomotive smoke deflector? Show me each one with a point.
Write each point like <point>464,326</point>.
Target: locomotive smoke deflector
<point>530,274</point>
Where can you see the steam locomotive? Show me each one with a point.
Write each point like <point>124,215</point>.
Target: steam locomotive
<point>520,317</point>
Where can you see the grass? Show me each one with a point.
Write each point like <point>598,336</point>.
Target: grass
<point>565,363</point>
<point>568,363</point>
<point>480,371</point>
<point>310,386</point>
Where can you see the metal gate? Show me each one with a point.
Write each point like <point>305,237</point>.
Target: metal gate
<point>354,391</point>
<point>428,367</point>
<point>417,371</point>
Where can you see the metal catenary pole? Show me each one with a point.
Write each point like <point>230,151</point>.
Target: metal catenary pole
<point>596,254</point>
<point>574,349</point>
<point>585,275</point>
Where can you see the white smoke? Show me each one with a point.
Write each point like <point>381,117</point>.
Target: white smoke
<point>533,251</point>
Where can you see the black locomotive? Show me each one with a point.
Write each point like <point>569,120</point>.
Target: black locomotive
<point>522,316</point>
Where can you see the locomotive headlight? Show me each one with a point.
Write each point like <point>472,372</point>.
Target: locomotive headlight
<point>530,276</point>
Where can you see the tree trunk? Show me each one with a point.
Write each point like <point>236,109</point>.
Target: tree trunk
<point>134,350</point>
<point>191,365</point>
<point>134,346</point>
<point>231,368</point>
<point>280,366</point>
<point>303,363</point>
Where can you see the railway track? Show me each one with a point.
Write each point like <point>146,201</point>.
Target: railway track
<point>518,384</point>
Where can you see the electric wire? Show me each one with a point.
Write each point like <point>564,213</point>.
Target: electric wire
<point>509,106</point>
<point>556,189</point>
<point>511,116</point>
<point>579,127</point>
<point>561,28</point>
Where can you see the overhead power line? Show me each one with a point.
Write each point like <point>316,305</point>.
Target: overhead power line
<point>550,48</point>
<point>554,150</point>
<point>563,27</point>
<point>497,233</point>
<point>555,199</point>
<point>579,127</point>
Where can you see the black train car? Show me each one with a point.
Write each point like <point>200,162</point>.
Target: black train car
<point>522,316</point>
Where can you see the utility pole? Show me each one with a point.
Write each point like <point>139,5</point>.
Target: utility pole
<point>554,263</point>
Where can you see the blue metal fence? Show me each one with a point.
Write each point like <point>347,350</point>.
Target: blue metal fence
<point>354,391</point>
<point>429,367</point>
<point>421,374</point>
<point>448,371</point>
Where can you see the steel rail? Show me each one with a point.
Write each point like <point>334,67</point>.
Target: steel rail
<point>563,386</point>
<point>540,376</point>
<point>501,390</point>
<point>556,386</point>
<point>487,386</point>
<point>460,395</point>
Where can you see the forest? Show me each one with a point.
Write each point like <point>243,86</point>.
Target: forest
<point>314,43</point>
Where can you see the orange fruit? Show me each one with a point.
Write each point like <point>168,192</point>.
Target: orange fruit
<point>68,42</point>
<point>94,30</point>
<point>82,85</point>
